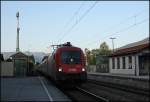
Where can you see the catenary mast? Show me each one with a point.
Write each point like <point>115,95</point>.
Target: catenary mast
<point>17,43</point>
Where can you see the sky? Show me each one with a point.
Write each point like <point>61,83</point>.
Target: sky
<point>86,24</point>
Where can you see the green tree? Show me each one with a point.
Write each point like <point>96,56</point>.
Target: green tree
<point>88,56</point>
<point>91,55</point>
<point>94,53</point>
<point>102,60</point>
<point>104,49</point>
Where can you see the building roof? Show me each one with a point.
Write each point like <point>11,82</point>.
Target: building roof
<point>132,48</point>
<point>19,55</point>
<point>144,41</point>
<point>7,55</point>
<point>37,55</point>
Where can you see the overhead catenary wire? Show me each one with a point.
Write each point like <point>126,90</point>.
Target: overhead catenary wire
<point>128,18</point>
<point>77,22</point>
<point>133,16</point>
<point>75,14</point>
<point>120,31</point>
<point>122,22</point>
<point>125,21</point>
<point>72,18</point>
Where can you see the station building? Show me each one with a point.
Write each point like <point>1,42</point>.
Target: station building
<point>20,64</point>
<point>131,59</point>
<point>23,64</point>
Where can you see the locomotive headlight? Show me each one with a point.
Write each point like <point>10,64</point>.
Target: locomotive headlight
<point>60,69</point>
<point>83,69</point>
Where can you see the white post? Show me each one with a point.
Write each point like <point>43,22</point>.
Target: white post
<point>126,62</point>
<point>137,65</point>
<point>115,62</point>
<point>121,64</point>
<point>133,63</point>
<point>110,65</point>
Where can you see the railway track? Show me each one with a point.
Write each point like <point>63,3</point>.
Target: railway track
<point>76,93</point>
<point>79,94</point>
<point>99,98</point>
<point>122,87</point>
<point>100,92</point>
<point>116,92</point>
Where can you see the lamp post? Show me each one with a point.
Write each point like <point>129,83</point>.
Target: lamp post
<point>112,42</point>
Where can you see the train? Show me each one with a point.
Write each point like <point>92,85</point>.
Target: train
<point>66,63</point>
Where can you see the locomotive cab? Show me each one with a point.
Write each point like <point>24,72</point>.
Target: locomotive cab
<point>66,63</point>
<point>72,65</point>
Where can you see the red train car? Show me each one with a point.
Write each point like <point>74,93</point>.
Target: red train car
<point>65,63</point>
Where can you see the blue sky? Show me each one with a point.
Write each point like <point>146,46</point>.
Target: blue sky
<point>43,23</point>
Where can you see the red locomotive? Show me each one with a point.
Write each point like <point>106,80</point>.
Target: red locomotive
<point>65,63</point>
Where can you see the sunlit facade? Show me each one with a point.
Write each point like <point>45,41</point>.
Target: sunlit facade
<point>132,59</point>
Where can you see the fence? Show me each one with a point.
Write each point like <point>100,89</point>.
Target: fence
<point>7,69</point>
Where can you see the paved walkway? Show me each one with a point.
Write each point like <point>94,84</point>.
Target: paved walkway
<point>30,89</point>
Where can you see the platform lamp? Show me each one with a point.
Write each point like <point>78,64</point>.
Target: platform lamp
<point>112,42</point>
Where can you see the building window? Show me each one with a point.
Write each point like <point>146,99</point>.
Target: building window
<point>123,62</point>
<point>130,62</point>
<point>113,63</point>
<point>142,60</point>
<point>118,63</point>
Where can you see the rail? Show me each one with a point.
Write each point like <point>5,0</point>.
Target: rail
<point>93,95</point>
<point>121,87</point>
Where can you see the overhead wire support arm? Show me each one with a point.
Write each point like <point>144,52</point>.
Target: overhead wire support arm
<point>60,45</point>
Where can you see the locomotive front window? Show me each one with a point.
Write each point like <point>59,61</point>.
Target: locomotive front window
<point>71,57</point>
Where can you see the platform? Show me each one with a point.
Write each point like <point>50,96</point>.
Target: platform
<point>30,89</point>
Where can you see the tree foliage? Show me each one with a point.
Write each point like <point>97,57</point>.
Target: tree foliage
<point>1,57</point>
<point>91,55</point>
<point>104,49</point>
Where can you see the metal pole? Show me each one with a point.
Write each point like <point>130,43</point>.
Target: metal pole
<point>17,47</point>
<point>113,42</point>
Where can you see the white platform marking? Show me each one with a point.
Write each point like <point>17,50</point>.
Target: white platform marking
<point>46,90</point>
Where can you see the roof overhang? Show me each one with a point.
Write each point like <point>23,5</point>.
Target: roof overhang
<point>130,50</point>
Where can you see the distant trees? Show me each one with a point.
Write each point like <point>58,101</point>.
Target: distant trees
<point>91,55</point>
<point>104,49</point>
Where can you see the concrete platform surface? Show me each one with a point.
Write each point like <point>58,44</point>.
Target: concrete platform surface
<point>30,89</point>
